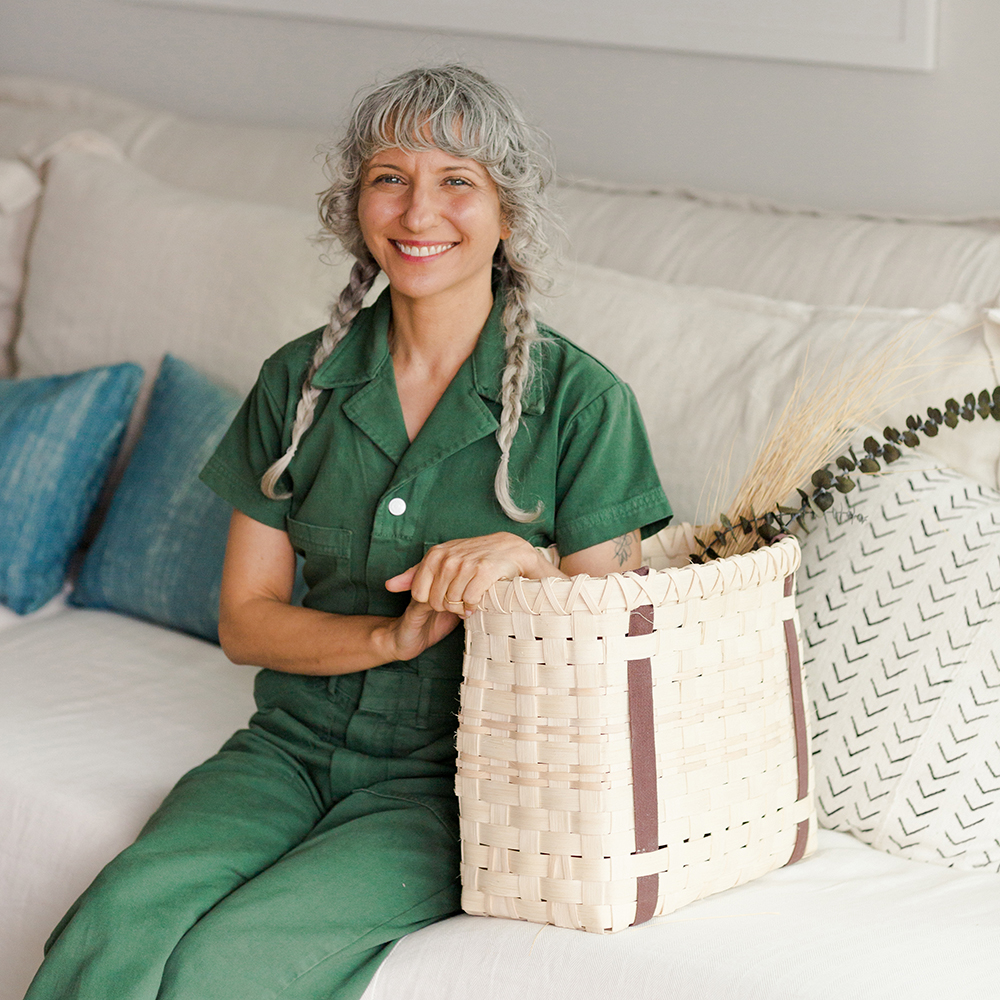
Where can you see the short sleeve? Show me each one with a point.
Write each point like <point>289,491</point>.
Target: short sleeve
<point>607,483</point>
<point>252,443</point>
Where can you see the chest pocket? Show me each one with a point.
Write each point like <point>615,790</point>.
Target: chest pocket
<point>327,554</point>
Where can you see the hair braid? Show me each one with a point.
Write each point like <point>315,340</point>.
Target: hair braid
<point>346,307</point>
<point>522,333</point>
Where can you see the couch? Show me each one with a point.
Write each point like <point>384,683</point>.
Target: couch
<point>149,263</point>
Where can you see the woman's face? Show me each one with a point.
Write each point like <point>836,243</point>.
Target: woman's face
<point>432,221</point>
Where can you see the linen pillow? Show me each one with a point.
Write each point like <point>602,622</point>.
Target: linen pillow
<point>159,552</point>
<point>125,267</point>
<point>57,439</point>
<point>712,368</point>
<point>19,188</point>
<point>750,245</point>
<point>900,617</point>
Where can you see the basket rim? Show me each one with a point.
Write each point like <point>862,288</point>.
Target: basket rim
<point>626,591</point>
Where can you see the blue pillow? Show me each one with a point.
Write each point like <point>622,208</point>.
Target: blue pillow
<point>58,436</point>
<point>159,552</point>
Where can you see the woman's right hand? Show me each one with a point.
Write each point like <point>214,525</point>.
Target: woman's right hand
<point>258,625</point>
<point>419,627</point>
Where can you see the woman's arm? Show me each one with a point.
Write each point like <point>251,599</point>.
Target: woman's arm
<point>258,626</point>
<point>454,576</point>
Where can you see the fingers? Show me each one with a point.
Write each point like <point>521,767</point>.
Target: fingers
<point>420,627</point>
<point>454,576</point>
<point>402,581</point>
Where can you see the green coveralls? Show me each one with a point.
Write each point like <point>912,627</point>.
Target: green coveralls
<point>287,864</point>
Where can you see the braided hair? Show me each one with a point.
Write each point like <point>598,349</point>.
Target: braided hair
<point>459,111</point>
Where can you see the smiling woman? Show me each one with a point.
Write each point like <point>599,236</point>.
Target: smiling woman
<point>383,449</point>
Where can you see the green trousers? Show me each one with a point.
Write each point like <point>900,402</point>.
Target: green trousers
<point>285,866</point>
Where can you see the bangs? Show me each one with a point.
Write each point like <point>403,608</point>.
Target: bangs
<point>435,111</point>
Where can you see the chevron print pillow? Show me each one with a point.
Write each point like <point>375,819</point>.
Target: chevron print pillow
<point>900,615</point>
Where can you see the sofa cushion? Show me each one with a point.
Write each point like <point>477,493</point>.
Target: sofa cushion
<point>125,267</point>
<point>748,246</point>
<point>160,549</point>
<point>58,436</point>
<point>899,599</point>
<point>712,368</point>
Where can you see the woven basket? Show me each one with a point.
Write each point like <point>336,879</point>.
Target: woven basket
<point>629,744</point>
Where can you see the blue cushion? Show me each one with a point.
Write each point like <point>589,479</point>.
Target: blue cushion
<point>58,436</point>
<point>159,552</point>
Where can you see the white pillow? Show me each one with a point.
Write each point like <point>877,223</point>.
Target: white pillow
<point>823,258</point>
<point>19,188</point>
<point>126,268</point>
<point>710,368</point>
<point>900,620</point>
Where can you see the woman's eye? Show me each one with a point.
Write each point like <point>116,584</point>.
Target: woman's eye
<point>457,182</point>
<point>388,179</point>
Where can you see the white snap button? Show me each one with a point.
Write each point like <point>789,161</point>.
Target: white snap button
<point>397,506</point>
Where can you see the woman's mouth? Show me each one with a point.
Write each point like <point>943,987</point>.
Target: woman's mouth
<point>421,249</point>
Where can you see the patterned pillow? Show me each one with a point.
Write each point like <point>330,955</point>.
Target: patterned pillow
<point>899,598</point>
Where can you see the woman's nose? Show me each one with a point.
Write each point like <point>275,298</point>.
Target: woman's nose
<point>421,210</point>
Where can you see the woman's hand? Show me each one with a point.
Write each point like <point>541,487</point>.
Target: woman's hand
<point>419,627</point>
<point>454,576</point>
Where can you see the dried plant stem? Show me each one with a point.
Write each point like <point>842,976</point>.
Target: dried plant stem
<point>818,421</point>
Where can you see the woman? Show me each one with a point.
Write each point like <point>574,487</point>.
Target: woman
<point>414,453</point>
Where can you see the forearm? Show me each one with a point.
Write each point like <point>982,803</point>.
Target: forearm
<point>265,632</point>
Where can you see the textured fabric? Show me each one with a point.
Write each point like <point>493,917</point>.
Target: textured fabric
<point>159,552</point>
<point>900,608</point>
<point>57,438</point>
<point>712,369</point>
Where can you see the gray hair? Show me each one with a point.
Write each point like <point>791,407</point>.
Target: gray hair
<point>459,111</point>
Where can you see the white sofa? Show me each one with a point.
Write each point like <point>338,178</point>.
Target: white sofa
<point>141,234</point>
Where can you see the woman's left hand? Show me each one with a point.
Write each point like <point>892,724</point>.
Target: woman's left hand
<point>454,576</point>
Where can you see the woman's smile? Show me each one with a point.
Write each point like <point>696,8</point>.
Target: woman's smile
<point>421,250</point>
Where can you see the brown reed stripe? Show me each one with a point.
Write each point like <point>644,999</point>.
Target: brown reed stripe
<point>801,839</point>
<point>798,704</point>
<point>643,740</point>
<point>799,718</point>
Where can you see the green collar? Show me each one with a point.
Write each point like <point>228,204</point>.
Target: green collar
<point>361,355</point>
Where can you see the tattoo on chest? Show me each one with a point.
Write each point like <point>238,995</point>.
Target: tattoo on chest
<point>623,548</point>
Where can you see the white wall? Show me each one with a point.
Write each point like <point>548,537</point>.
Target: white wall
<point>826,136</point>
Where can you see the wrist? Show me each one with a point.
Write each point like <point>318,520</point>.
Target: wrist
<point>383,640</point>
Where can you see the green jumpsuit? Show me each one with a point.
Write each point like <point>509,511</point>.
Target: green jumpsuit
<point>287,864</point>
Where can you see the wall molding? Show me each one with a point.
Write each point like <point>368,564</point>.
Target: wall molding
<point>882,34</point>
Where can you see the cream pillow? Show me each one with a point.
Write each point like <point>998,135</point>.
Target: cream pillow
<point>124,267</point>
<point>746,246</point>
<point>711,368</point>
<point>19,188</point>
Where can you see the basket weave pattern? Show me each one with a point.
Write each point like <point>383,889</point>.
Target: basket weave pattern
<point>632,743</point>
